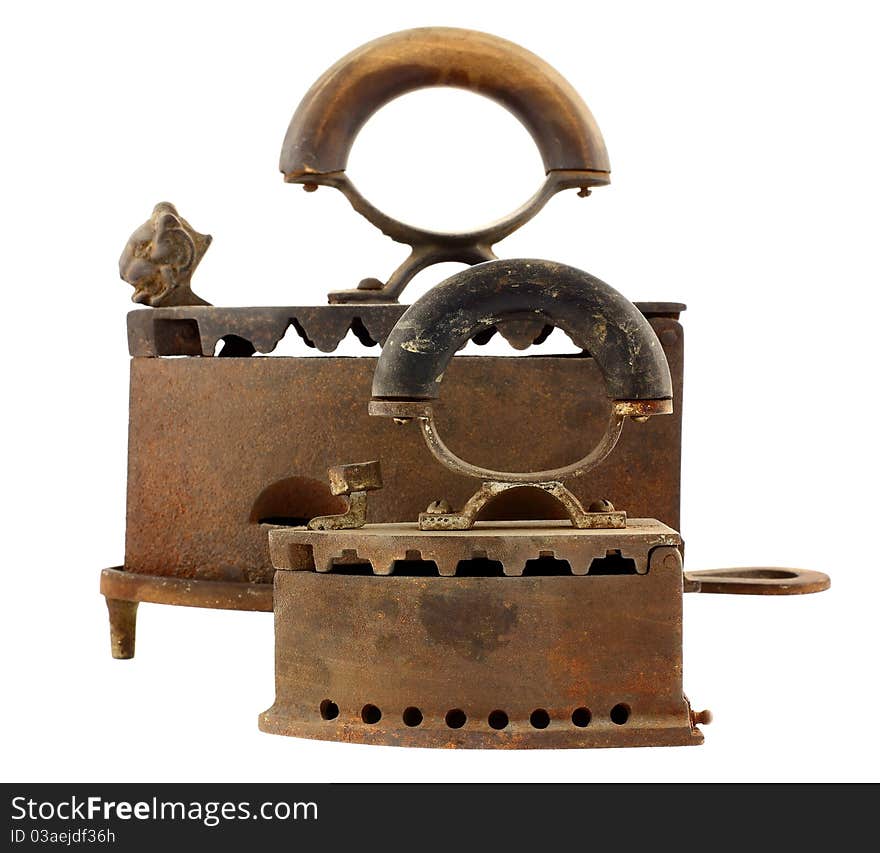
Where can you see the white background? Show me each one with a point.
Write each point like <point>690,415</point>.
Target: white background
<point>744,145</point>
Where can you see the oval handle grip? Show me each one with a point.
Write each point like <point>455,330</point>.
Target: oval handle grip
<point>756,581</point>
<point>340,102</point>
<point>597,317</point>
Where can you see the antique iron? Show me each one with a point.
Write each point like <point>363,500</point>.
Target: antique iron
<point>541,609</point>
<point>458,632</point>
<point>210,471</point>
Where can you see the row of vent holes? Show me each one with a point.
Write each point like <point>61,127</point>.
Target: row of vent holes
<point>498,720</point>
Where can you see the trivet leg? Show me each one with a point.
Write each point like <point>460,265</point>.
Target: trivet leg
<point>123,621</point>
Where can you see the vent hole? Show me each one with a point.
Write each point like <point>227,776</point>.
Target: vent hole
<point>358,568</point>
<point>329,710</point>
<point>498,720</point>
<point>620,714</point>
<point>545,567</point>
<point>361,332</point>
<point>613,564</point>
<point>456,718</point>
<point>412,717</point>
<point>370,714</point>
<point>415,568</point>
<point>480,568</point>
<point>581,717</point>
<point>234,346</point>
<point>539,719</point>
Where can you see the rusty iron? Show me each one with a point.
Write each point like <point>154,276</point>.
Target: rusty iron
<point>160,257</point>
<point>209,471</point>
<point>324,126</point>
<point>485,662</point>
<point>521,650</point>
<point>523,633</point>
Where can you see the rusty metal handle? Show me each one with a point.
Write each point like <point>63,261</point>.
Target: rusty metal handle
<point>757,581</point>
<point>323,129</point>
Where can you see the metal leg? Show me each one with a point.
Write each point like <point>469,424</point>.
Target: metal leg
<point>123,621</point>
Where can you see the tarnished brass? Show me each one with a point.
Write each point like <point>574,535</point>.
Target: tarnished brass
<point>488,491</point>
<point>353,480</point>
<point>160,258</point>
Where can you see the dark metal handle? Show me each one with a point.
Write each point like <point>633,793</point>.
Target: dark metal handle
<point>607,325</point>
<point>597,317</point>
<point>757,581</point>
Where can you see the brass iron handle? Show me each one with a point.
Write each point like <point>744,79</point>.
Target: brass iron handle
<point>756,581</point>
<point>324,126</point>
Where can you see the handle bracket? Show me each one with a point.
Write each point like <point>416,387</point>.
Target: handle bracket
<point>323,129</point>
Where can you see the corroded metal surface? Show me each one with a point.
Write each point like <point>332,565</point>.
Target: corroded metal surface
<point>483,662</point>
<point>160,258</point>
<point>465,518</point>
<point>757,581</point>
<point>353,480</point>
<point>210,473</point>
<point>511,543</point>
<point>123,590</point>
<point>122,585</point>
<point>243,331</point>
<point>322,131</point>
<point>354,516</point>
<point>207,470</point>
<point>355,477</point>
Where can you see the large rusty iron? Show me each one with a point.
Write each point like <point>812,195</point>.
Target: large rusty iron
<point>222,446</point>
<point>544,608</point>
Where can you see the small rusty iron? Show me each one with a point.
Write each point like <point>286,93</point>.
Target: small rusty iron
<point>527,633</point>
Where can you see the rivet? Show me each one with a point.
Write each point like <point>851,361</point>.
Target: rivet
<point>670,561</point>
<point>701,718</point>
